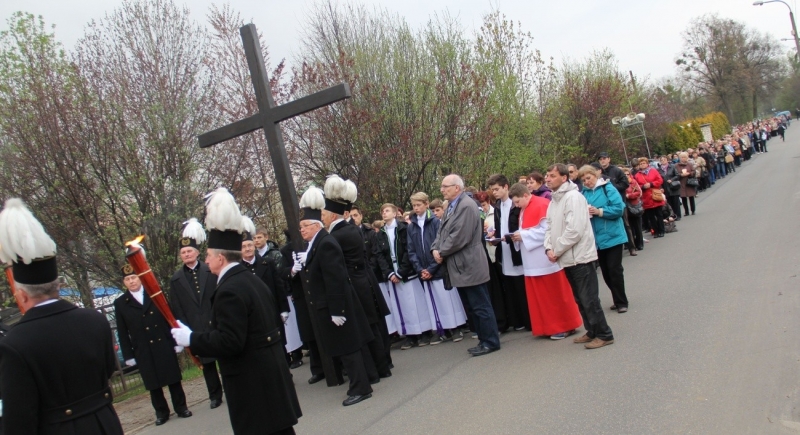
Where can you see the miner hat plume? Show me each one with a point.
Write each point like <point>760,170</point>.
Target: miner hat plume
<point>24,242</point>
<point>249,228</point>
<point>193,234</point>
<point>311,204</point>
<point>335,191</point>
<point>350,195</point>
<point>223,221</point>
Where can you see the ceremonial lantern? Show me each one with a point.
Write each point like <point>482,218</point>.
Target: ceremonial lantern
<point>134,254</point>
<point>25,247</point>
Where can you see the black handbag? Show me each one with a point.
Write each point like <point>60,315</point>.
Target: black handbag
<point>692,182</point>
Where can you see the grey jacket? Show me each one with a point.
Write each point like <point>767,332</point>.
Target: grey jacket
<point>460,243</point>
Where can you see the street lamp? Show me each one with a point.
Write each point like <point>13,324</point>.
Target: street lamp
<point>631,120</point>
<point>791,17</point>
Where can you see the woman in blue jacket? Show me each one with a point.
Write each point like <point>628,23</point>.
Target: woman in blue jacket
<point>605,208</point>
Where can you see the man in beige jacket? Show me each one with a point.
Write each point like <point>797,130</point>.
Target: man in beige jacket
<point>569,240</point>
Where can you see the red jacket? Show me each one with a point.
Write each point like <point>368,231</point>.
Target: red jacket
<point>654,178</point>
<point>633,193</point>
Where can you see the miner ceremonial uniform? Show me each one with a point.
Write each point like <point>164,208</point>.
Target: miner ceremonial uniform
<point>191,296</point>
<point>55,363</point>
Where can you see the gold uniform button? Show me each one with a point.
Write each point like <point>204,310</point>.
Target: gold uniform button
<point>147,328</point>
<point>68,412</point>
<point>269,338</point>
<point>151,341</point>
<point>105,395</point>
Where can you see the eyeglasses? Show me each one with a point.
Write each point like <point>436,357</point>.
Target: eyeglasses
<point>445,186</point>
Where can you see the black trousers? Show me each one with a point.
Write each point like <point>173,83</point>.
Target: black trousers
<point>687,203</point>
<point>356,372</point>
<point>212,381</point>
<point>516,301</point>
<point>636,230</point>
<point>160,402</point>
<point>626,218</point>
<point>376,351</point>
<point>675,203</point>
<point>583,280</point>
<point>610,260</point>
<point>653,218</point>
<point>496,295</point>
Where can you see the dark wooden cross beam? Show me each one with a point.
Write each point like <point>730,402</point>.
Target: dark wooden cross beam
<point>268,118</point>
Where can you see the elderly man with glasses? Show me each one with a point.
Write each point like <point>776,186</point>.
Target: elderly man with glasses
<point>459,246</point>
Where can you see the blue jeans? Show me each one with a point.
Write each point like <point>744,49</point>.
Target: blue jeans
<point>482,314</point>
<point>721,169</point>
<point>712,175</point>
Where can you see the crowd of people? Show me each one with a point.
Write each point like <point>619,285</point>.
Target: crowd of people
<point>519,257</point>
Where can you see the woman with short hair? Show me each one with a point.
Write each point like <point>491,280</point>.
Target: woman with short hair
<point>605,210</point>
<point>653,197</point>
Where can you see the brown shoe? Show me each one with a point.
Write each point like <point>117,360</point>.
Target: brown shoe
<point>598,343</point>
<point>582,339</point>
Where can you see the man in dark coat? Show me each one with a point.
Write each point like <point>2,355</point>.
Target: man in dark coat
<point>145,341</point>
<point>55,363</point>
<point>368,292</point>
<point>192,290</point>
<point>266,269</point>
<point>245,337</point>
<point>343,327</point>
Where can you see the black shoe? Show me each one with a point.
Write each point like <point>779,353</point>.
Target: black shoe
<point>622,310</point>
<point>296,364</point>
<point>161,420</point>
<point>483,350</point>
<point>474,349</point>
<point>388,374</point>
<point>215,403</point>
<point>184,414</point>
<point>352,400</point>
<point>613,308</point>
<point>316,378</point>
<point>391,366</point>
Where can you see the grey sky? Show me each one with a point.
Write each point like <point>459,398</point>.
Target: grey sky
<point>645,35</point>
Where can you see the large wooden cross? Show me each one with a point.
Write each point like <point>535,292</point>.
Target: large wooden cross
<point>268,118</point>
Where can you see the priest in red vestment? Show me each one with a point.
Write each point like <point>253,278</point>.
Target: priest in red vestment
<point>550,301</point>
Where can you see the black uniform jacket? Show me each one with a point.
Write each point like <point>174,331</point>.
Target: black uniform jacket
<point>54,370</point>
<point>328,289</point>
<point>246,342</point>
<point>266,269</point>
<point>383,254</point>
<point>369,294</point>
<point>191,307</point>
<point>145,335</point>
<point>295,288</point>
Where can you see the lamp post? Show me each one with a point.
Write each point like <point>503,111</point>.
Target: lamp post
<point>791,17</point>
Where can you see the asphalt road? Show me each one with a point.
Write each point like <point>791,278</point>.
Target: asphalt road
<point>709,346</point>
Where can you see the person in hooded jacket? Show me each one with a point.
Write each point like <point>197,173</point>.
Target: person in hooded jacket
<point>444,306</point>
<point>405,294</point>
<point>606,208</point>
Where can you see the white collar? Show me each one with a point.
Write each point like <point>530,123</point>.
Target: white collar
<point>225,269</point>
<point>248,261</point>
<point>194,266</point>
<point>311,242</point>
<point>392,225</point>
<point>47,302</point>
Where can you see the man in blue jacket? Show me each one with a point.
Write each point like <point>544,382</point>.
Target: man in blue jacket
<point>445,307</point>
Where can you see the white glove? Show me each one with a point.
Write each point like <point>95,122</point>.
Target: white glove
<point>284,316</point>
<point>182,334</point>
<point>131,362</point>
<point>338,320</point>
<point>178,349</point>
<point>297,267</point>
<point>301,256</point>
